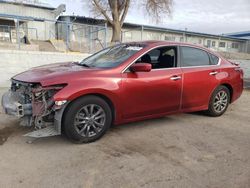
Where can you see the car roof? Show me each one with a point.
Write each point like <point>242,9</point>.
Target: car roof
<point>160,42</point>
<point>153,43</point>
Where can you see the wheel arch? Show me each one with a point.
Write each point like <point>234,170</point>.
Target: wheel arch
<point>100,95</point>
<point>230,88</point>
<point>109,101</point>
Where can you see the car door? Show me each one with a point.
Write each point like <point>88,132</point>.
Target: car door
<point>199,77</point>
<point>150,93</point>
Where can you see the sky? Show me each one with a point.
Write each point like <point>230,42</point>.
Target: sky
<point>207,16</point>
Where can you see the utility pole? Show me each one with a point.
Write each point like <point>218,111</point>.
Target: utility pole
<point>185,34</point>
<point>142,29</point>
<point>17,33</point>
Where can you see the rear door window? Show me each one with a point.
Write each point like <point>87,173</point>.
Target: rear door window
<point>193,57</point>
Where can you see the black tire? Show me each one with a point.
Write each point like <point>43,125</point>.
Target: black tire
<point>213,109</point>
<point>76,111</point>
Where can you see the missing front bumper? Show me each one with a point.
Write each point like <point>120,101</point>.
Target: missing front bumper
<point>12,106</point>
<point>44,132</point>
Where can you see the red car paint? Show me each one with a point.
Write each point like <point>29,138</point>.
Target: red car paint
<point>141,95</point>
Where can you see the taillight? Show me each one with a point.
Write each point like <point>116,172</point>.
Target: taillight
<point>234,63</point>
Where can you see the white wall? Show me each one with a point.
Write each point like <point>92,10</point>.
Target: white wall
<point>13,62</point>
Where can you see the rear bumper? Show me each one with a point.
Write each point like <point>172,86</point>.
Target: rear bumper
<point>12,106</point>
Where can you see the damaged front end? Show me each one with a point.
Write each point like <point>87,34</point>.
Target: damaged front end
<point>35,107</point>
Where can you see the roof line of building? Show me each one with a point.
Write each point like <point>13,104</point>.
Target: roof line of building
<point>182,31</point>
<point>25,18</point>
<point>239,33</point>
<point>157,28</point>
<point>29,4</point>
<point>144,27</point>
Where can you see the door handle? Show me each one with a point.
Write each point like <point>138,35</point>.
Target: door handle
<point>213,73</point>
<point>175,78</point>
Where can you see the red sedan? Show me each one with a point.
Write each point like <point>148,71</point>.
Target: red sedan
<point>123,83</point>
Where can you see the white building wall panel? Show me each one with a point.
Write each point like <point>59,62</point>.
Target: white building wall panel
<point>37,30</point>
<point>22,10</point>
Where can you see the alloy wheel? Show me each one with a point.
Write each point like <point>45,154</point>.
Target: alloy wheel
<point>220,101</point>
<point>90,120</point>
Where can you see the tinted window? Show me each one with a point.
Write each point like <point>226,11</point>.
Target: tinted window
<point>193,57</point>
<point>213,59</point>
<point>159,58</point>
<point>154,54</point>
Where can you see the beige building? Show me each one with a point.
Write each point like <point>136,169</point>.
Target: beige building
<point>80,31</point>
<point>29,19</point>
<point>132,32</point>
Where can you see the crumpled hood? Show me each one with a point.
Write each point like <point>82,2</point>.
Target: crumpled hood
<point>57,72</point>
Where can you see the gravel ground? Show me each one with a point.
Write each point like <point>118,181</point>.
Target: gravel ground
<point>184,150</point>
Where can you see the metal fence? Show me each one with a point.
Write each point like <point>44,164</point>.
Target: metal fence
<point>82,37</point>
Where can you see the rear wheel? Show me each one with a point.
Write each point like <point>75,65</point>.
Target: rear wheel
<point>87,119</point>
<point>219,101</point>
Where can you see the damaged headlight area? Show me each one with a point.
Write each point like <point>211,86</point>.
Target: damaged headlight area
<point>32,103</point>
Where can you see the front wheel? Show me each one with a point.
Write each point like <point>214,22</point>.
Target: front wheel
<point>87,119</point>
<point>219,101</point>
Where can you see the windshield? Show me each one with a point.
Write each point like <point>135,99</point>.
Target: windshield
<point>112,56</point>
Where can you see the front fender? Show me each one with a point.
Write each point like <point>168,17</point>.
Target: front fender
<point>109,88</point>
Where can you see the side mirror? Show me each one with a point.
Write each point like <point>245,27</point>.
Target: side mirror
<point>141,67</point>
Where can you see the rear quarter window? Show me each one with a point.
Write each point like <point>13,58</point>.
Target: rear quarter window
<point>213,59</point>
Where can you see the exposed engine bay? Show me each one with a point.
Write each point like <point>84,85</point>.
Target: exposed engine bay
<point>34,105</point>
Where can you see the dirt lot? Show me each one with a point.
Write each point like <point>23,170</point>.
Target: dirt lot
<point>185,150</point>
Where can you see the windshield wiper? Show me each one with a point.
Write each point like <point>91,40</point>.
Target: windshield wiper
<point>84,65</point>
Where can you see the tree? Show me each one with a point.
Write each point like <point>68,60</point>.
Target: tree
<point>115,12</point>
